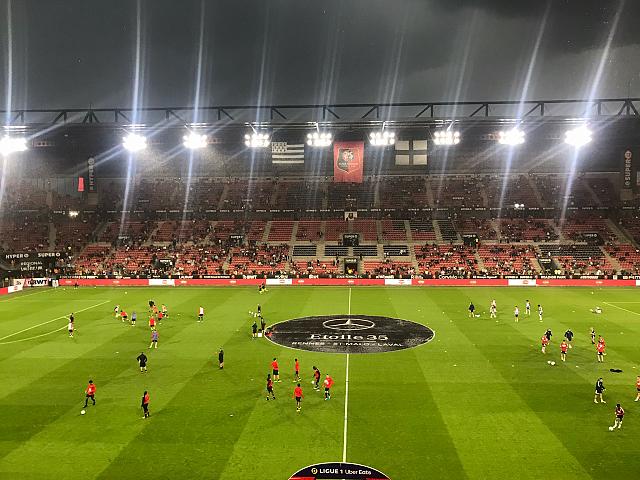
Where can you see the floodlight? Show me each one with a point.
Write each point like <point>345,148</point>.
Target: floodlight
<point>194,141</point>
<point>73,213</point>
<point>382,138</point>
<point>512,137</point>
<point>257,140</point>
<point>319,139</point>
<point>134,142</point>
<point>578,137</point>
<point>446,137</point>
<point>9,145</point>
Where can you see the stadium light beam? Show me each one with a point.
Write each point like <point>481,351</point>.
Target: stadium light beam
<point>319,139</point>
<point>257,140</point>
<point>382,138</point>
<point>578,137</point>
<point>9,145</point>
<point>512,137</point>
<point>194,141</point>
<point>134,142</point>
<point>446,137</point>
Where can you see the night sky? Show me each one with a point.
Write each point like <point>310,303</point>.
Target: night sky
<point>73,53</point>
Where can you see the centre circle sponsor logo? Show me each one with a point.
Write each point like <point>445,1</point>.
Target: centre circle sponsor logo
<point>338,471</point>
<point>348,324</point>
<point>350,334</point>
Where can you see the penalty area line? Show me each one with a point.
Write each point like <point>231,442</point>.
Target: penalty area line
<point>18,297</point>
<point>346,399</point>
<point>625,309</point>
<point>52,320</point>
<point>34,337</point>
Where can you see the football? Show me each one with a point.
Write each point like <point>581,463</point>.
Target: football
<point>82,412</point>
<point>553,363</point>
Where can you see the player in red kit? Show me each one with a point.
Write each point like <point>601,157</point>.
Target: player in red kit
<point>600,349</point>
<point>328,383</point>
<point>275,370</point>
<point>563,350</point>
<point>545,341</point>
<point>297,394</point>
<point>637,388</point>
<point>270,387</point>
<point>316,378</point>
<point>145,404</point>
<point>297,371</point>
<point>152,322</point>
<point>90,393</point>
<point>619,417</point>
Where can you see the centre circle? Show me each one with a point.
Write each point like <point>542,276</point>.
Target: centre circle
<point>349,334</point>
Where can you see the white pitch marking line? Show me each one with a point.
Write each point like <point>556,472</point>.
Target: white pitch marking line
<point>52,320</point>
<point>346,399</point>
<point>33,338</point>
<point>626,310</point>
<point>18,297</point>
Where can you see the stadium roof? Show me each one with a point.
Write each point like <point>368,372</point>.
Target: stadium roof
<point>409,112</point>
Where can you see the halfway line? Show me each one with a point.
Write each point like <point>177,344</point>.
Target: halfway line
<point>52,320</point>
<point>346,399</point>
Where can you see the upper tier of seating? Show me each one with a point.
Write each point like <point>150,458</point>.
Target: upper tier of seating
<point>199,194</point>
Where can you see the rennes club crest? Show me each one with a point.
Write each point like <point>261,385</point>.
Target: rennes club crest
<point>346,156</point>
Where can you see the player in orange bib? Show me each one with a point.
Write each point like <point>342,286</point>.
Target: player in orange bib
<point>274,370</point>
<point>90,393</point>
<point>328,383</point>
<point>297,394</point>
<point>545,341</point>
<point>563,350</point>
<point>145,404</point>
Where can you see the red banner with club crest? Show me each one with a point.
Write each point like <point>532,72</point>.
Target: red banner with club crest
<point>348,161</point>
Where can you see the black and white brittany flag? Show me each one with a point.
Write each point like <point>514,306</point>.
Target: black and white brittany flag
<point>411,152</point>
<point>285,153</point>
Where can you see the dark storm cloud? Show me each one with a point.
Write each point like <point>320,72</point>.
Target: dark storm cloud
<point>575,25</point>
<point>81,52</point>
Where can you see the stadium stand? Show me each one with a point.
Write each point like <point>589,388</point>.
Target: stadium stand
<point>450,260</point>
<point>394,221</point>
<point>457,191</point>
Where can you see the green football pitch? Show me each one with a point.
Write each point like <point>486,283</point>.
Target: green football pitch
<point>479,401</point>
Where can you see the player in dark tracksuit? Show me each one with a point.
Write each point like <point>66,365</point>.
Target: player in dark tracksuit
<point>142,360</point>
<point>569,336</point>
<point>599,391</point>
